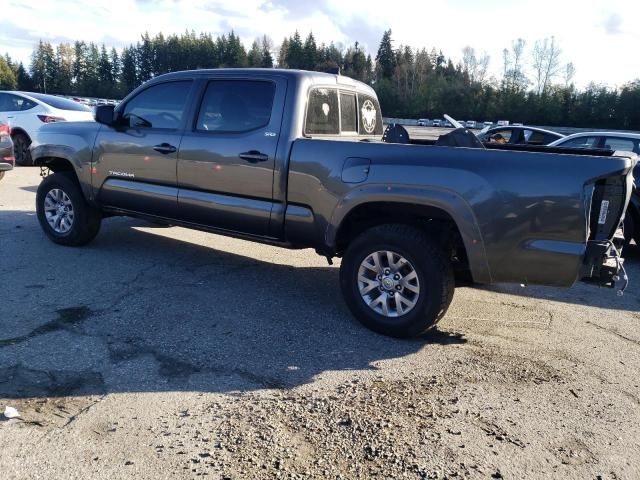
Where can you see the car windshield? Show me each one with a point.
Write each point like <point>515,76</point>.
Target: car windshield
<point>60,103</point>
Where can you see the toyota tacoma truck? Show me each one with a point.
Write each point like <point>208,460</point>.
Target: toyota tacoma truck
<point>300,160</point>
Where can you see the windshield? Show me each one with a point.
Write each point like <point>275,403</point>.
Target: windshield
<point>60,103</point>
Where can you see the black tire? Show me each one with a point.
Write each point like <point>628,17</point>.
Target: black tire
<point>433,269</point>
<point>86,221</point>
<point>21,149</point>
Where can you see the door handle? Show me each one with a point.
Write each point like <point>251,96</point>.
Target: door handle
<point>254,156</point>
<point>165,148</point>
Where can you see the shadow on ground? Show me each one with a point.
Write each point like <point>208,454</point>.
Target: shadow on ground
<point>140,311</point>
<point>585,294</point>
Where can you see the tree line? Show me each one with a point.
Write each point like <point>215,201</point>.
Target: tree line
<point>534,85</point>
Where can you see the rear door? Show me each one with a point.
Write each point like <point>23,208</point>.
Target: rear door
<point>135,162</point>
<point>227,157</point>
<point>14,107</point>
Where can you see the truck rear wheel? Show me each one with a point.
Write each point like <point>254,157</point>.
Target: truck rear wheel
<point>396,281</point>
<point>63,213</point>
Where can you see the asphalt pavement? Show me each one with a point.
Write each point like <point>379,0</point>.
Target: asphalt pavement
<point>160,352</point>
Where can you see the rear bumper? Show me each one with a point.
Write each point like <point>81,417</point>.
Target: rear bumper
<point>4,166</point>
<point>603,265</point>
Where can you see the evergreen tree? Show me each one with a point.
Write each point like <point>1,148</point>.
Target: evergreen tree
<point>23,79</point>
<point>145,58</point>
<point>254,57</point>
<point>105,74</point>
<point>283,53</point>
<point>65,59</point>
<point>385,59</point>
<point>267,59</point>
<point>295,52</point>
<point>309,53</point>
<point>129,75</point>
<point>7,76</point>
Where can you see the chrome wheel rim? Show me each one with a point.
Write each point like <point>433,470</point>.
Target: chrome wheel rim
<point>388,283</point>
<point>58,211</point>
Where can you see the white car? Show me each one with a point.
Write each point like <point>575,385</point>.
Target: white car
<point>616,141</point>
<point>27,112</point>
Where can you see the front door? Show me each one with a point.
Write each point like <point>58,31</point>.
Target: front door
<point>227,158</point>
<point>135,161</point>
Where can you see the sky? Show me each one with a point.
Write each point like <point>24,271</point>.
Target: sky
<point>600,37</point>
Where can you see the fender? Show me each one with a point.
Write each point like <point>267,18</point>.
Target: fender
<point>41,152</point>
<point>443,199</point>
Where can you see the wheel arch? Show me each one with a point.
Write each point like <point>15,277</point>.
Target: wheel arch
<point>61,160</point>
<point>432,209</point>
<point>20,131</point>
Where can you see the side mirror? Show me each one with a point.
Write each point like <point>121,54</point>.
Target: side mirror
<point>105,114</point>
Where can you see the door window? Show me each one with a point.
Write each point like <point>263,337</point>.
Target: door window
<point>159,106</point>
<point>533,137</point>
<point>497,135</point>
<point>348,114</point>
<point>235,106</point>
<point>322,112</point>
<point>618,144</point>
<point>14,103</point>
<point>580,142</point>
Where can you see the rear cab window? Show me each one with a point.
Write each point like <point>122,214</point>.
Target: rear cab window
<point>341,112</point>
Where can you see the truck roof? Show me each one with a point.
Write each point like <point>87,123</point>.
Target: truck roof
<point>297,75</point>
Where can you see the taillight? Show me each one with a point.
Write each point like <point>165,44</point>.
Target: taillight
<point>9,158</point>
<point>50,119</point>
<point>4,130</point>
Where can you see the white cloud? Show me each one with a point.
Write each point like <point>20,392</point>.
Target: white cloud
<point>599,37</point>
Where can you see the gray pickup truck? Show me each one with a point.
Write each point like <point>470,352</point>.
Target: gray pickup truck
<point>299,159</point>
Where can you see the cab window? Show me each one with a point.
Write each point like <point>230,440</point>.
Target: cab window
<point>370,115</point>
<point>160,106</point>
<point>348,113</point>
<point>236,106</point>
<point>322,112</point>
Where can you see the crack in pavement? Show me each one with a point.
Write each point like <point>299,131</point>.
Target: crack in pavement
<point>613,332</point>
<point>173,368</point>
<point>67,318</point>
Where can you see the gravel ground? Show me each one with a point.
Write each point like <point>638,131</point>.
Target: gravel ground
<point>165,353</point>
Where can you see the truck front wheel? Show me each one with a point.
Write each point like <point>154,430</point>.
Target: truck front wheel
<point>396,281</point>
<point>63,213</point>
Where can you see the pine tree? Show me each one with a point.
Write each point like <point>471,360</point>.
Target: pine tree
<point>310,53</point>
<point>254,56</point>
<point>23,79</point>
<point>283,52</point>
<point>145,58</point>
<point>295,53</point>
<point>79,66</point>
<point>385,59</point>
<point>267,59</point>
<point>105,74</point>
<point>129,76</point>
